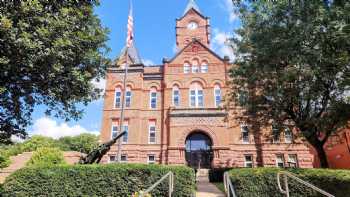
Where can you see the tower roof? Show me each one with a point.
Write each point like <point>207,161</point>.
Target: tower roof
<point>133,55</point>
<point>191,5</point>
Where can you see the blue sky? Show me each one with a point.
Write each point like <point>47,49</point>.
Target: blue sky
<point>154,27</point>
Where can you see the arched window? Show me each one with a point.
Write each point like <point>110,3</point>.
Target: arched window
<point>118,100</point>
<point>153,98</point>
<point>195,65</point>
<point>176,96</point>
<point>204,67</point>
<point>186,67</point>
<point>128,97</point>
<point>196,95</point>
<point>217,95</point>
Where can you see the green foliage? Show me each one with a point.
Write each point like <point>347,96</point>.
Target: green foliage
<point>36,142</point>
<point>46,156</point>
<point>262,182</point>
<point>50,53</point>
<point>4,160</point>
<point>84,143</point>
<point>293,66</point>
<point>97,180</point>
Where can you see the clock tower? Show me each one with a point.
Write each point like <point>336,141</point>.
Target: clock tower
<point>192,25</point>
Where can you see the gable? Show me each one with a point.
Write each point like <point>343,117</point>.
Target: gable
<point>193,49</point>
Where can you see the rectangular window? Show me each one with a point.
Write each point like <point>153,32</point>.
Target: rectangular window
<point>195,69</point>
<point>152,133</point>
<point>126,136</point>
<point>217,97</point>
<point>128,99</point>
<point>280,161</point>
<point>204,68</point>
<point>124,158</point>
<point>193,98</point>
<point>112,159</point>
<point>288,135</point>
<point>117,99</point>
<point>153,100</point>
<point>248,161</point>
<point>293,161</point>
<point>176,98</point>
<point>245,134</point>
<point>114,131</point>
<point>200,98</point>
<point>151,159</point>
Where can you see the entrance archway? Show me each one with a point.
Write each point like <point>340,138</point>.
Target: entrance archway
<point>199,152</point>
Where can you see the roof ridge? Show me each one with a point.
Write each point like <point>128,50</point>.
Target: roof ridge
<point>191,5</point>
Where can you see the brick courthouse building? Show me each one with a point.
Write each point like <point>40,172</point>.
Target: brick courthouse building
<point>173,111</point>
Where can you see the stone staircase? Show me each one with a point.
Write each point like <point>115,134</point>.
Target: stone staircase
<point>204,187</point>
<point>17,162</point>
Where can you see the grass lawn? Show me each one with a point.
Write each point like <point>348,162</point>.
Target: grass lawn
<point>220,186</point>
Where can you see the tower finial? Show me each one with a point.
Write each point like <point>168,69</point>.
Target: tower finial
<point>191,5</point>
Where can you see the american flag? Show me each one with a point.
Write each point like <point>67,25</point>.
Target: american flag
<point>130,36</point>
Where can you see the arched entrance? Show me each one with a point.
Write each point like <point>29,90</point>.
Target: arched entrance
<point>199,152</point>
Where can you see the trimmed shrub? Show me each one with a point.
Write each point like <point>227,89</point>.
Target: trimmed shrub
<point>47,156</point>
<point>97,180</point>
<point>217,174</point>
<point>262,182</point>
<point>4,161</point>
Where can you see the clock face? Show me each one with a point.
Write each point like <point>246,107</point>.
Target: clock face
<point>192,25</point>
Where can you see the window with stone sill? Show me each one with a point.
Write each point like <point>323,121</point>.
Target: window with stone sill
<point>114,132</point>
<point>275,134</point>
<point>117,100</point>
<point>288,135</point>
<point>125,137</point>
<point>186,67</point>
<point>293,161</point>
<point>280,161</point>
<point>123,158</point>
<point>176,96</point>
<point>151,159</point>
<point>195,66</point>
<point>204,67</point>
<point>152,132</point>
<point>112,159</point>
<point>128,97</point>
<point>217,95</point>
<point>196,95</point>
<point>153,98</point>
<point>245,134</point>
<point>248,161</point>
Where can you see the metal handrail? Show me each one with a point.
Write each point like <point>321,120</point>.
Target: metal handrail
<point>171,185</point>
<point>290,175</point>
<point>228,185</point>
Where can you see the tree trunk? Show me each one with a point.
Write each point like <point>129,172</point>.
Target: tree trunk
<point>321,155</point>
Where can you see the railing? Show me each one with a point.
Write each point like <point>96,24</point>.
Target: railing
<point>228,185</point>
<point>169,175</point>
<point>290,175</point>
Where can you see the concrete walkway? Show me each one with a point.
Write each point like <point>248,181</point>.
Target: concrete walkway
<point>204,187</point>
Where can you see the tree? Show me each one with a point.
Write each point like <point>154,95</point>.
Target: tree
<point>293,66</point>
<point>84,143</point>
<point>46,156</point>
<point>50,51</point>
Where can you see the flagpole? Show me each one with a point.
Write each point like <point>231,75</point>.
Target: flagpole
<point>123,99</point>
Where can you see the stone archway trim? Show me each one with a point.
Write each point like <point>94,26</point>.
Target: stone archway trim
<point>206,130</point>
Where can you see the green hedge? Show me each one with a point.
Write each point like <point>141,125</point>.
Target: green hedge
<point>262,182</point>
<point>97,180</point>
<point>46,156</point>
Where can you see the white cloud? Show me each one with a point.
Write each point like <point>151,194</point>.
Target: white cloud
<point>48,127</point>
<point>219,43</point>
<point>101,84</point>
<point>148,62</point>
<point>228,7</point>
